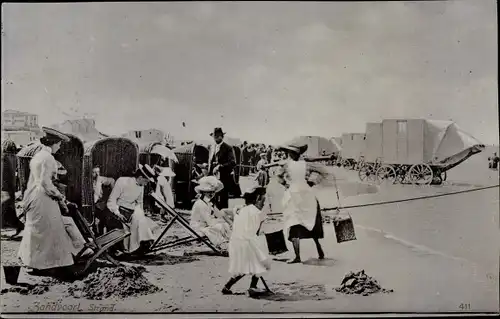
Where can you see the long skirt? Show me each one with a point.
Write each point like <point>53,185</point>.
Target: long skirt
<point>301,232</point>
<point>45,243</point>
<point>218,233</point>
<point>141,230</point>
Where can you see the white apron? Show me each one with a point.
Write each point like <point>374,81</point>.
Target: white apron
<point>299,200</point>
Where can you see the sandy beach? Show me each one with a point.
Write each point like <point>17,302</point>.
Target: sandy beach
<point>437,255</point>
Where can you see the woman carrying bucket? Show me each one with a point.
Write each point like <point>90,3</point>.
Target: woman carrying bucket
<point>302,214</point>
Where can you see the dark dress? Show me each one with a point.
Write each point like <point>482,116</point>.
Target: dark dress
<point>301,232</point>
<point>9,216</point>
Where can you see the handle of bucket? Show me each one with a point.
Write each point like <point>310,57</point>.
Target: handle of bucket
<point>339,207</point>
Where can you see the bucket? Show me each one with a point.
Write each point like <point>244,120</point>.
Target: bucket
<point>276,243</point>
<point>11,274</point>
<point>344,229</point>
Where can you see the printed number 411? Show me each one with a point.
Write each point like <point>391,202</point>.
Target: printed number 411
<point>464,306</point>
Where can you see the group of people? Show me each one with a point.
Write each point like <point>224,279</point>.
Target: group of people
<point>250,156</point>
<point>51,238</point>
<point>241,226</point>
<point>493,161</point>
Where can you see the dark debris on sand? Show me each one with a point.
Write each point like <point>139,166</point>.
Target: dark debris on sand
<point>121,282</point>
<point>26,289</point>
<point>361,284</point>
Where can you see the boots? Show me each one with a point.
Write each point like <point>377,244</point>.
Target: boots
<point>227,288</point>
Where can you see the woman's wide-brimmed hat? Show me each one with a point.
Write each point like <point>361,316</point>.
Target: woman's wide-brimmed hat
<point>164,171</point>
<point>297,148</point>
<point>218,131</point>
<point>147,172</point>
<point>209,184</point>
<point>50,132</point>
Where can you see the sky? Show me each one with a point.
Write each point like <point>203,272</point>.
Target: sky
<point>264,71</point>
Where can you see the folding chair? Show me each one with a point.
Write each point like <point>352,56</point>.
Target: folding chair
<point>176,217</point>
<point>98,245</point>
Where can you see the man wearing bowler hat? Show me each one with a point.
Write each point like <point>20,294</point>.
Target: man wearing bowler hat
<point>222,162</point>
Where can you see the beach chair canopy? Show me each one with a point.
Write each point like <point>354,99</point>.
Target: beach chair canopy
<point>444,139</point>
<point>70,155</point>
<point>115,156</point>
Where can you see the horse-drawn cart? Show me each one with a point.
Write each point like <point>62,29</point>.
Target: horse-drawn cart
<point>417,151</point>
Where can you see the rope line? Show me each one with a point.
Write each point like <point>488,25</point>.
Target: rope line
<point>406,199</point>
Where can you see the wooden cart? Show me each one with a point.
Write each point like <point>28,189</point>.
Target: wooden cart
<point>418,151</point>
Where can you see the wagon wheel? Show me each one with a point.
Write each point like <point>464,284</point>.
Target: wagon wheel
<point>421,174</point>
<point>386,174</point>
<point>365,173</point>
<point>439,178</point>
<point>346,163</point>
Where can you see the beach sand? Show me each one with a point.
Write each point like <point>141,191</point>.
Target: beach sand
<point>437,255</point>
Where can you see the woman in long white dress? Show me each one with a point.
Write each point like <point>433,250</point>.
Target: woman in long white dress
<point>46,243</point>
<point>205,217</point>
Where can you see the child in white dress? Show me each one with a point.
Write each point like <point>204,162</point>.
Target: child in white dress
<point>246,255</point>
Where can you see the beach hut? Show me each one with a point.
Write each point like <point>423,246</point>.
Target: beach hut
<point>419,151</point>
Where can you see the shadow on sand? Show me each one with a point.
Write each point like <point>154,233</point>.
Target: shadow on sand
<point>295,292</point>
<point>157,259</point>
<point>327,262</point>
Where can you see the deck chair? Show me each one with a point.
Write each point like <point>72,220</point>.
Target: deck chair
<point>177,217</point>
<point>98,245</point>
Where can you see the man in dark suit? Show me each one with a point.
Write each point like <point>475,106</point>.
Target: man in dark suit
<point>222,162</point>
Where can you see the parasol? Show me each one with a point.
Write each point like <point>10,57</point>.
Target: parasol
<point>164,152</point>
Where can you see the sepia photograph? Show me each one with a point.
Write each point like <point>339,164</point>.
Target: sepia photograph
<point>257,159</point>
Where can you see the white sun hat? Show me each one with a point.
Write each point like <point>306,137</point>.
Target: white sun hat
<point>209,184</point>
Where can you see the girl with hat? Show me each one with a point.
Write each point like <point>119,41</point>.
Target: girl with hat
<point>204,217</point>
<point>246,255</point>
<point>45,244</point>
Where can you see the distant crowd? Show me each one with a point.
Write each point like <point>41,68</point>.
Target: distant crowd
<point>493,161</point>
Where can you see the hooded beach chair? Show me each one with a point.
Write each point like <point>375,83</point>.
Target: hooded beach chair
<point>98,245</point>
<point>177,217</point>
